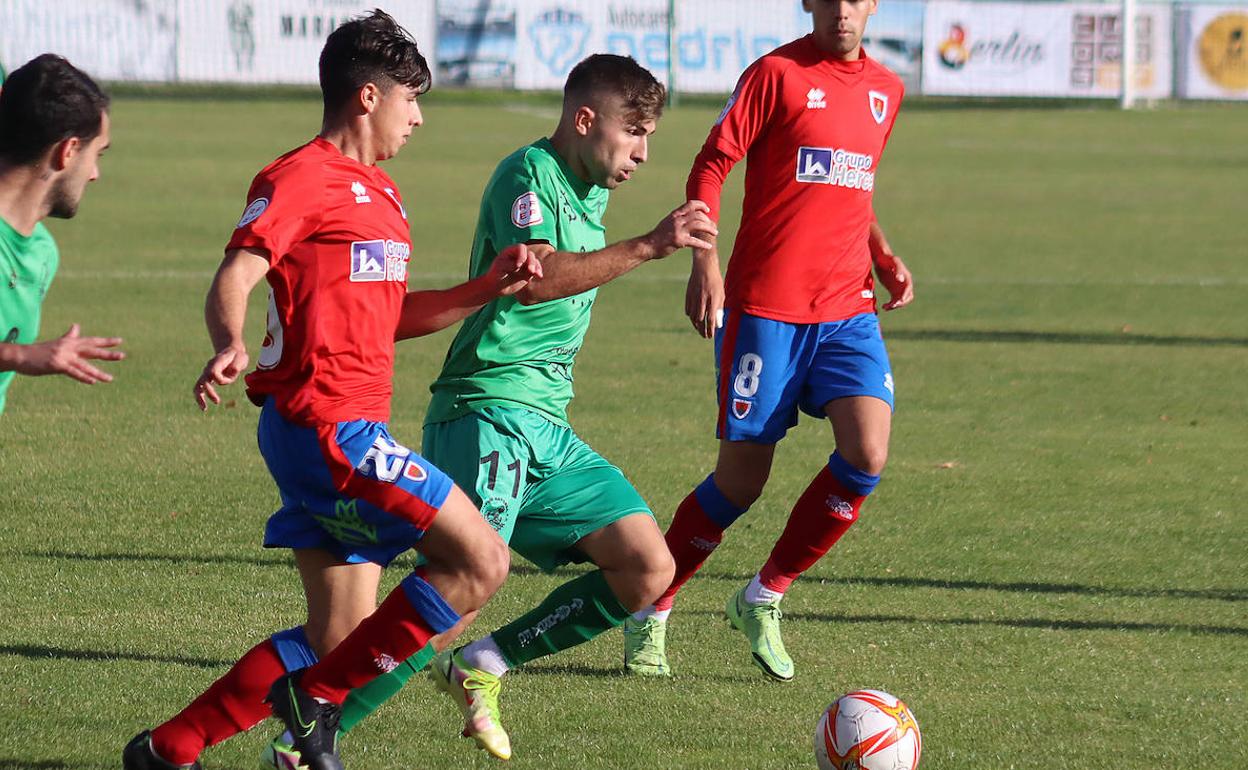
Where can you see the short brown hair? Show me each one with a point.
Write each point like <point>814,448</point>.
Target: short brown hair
<point>603,73</point>
<point>370,49</point>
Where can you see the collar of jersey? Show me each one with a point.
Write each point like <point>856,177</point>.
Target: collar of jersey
<point>578,185</point>
<point>855,67</point>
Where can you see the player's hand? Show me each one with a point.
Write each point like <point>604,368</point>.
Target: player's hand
<point>893,273</point>
<point>513,269</point>
<point>704,297</point>
<point>690,225</point>
<point>222,369</point>
<point>68,355</point>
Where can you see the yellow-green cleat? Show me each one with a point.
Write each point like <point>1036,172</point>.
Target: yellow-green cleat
<point>645,647</point>
<point>761,625</point>
<point>475,692</point>
<point>280,755</point>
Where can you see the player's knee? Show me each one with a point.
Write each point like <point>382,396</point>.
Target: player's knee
<point>868,458</point>
<point>495,562</point>
<point>481,569</point>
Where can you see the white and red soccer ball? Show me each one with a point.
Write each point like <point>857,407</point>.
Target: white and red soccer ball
<point>867,730</point>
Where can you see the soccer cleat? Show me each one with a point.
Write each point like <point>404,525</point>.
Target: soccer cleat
<point>281,755</point>
<point>313,725</point>
<point>139,755</point>
<point>761,625</point>
<point>645,643</point>
<point>476,693</point>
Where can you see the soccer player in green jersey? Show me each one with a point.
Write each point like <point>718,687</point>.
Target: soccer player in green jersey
<point>497,422</point>
<point>53,128</point>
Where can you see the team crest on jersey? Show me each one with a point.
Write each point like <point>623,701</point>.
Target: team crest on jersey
<point>414,471</point>
<point>741,408</point>
<point>252,212</point>
<point>526,211</point>
<point>379,260</point>
<point>879,105</point>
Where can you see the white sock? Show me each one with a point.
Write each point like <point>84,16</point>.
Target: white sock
<point>650,612</point>
<point>757,593</point>
<point>485,655</point>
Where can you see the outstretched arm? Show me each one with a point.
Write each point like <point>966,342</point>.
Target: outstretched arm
<point>67,355</point>
<point>891,271</point>
<point>568,273</point>
<point>225,312</point>
<point>430,310</point>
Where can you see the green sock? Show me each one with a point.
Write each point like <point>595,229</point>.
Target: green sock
<point>575,612</point>
<point>363,701</point>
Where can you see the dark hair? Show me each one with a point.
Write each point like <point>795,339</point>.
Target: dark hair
<point>370,49</point>
<point>45,101</point>
<point>604,73</point>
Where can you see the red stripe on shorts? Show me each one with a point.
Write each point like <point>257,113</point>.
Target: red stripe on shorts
<point>389,497</point>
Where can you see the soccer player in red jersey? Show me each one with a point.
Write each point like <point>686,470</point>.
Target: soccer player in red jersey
<point>799,327</point>
<point>326,227</point>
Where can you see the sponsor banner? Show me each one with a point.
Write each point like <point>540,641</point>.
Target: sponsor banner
<point>277,41</point>
<point>1216,54</point>
<point>717,39</point>
<point>108,39</point>
<point>1097,45</point>
<point>551,37</point>
<point>1041,49</point>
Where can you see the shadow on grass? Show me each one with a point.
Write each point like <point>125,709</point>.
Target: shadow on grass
<point>1045,623</point>
<point>36,651</point>
<point>557,669</point>
<point>1217,594</point>
<point>7,763</point>
<point>282,560</point>
<point>1064,338</point>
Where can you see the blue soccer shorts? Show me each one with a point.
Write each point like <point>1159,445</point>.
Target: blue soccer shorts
<point>347,488</point>
<point>766,370</point>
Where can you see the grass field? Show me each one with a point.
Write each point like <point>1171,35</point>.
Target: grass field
<point>1053,574</point>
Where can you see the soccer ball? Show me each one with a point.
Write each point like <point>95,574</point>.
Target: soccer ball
<point>867,730</point>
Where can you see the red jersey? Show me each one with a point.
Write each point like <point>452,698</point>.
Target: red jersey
<point>812,129</point>
<point>338,245</point>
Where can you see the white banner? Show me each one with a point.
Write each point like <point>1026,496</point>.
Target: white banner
<point>277,41</point>
<point>717,39</point>
<point>1042,49</point>
<point>552,37</point>
<point>1217,53</point>
<point>108,39</point>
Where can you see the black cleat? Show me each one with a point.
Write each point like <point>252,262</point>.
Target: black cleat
<point>313,725</point>
<point>139,755</point>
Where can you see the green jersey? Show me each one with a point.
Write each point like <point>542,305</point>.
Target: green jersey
<point>27,264</point>
<point>509,354</point>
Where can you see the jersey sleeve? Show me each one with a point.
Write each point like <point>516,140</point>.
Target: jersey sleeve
<point>748,110</point>
<point>524,206</point>
<point>280,213</point>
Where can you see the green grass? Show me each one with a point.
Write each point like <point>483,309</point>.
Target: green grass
<point>1053,573</point>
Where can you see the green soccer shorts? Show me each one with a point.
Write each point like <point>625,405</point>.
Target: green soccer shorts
<point>537,483</point>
